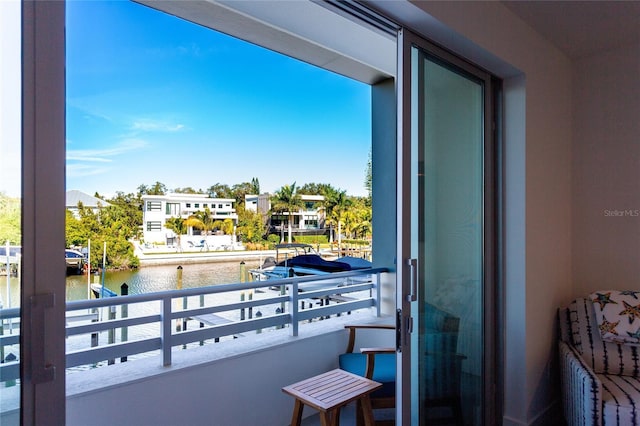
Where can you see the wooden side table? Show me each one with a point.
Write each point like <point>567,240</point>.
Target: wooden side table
<point>328,393</point>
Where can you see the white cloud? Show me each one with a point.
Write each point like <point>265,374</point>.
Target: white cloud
<point>148,125</point>
<point>104,154</point>
<point>81,170</point>
<point>90,162</point>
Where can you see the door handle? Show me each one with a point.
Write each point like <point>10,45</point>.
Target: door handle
<point>41,370</point>
<point>413,276</point>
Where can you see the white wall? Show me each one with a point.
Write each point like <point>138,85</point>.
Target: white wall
<point>537,190</point>
<point>241,390</point>
<point>606,171</point>
<point>214,385</point>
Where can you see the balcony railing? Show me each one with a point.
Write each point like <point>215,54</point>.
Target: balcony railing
<point>153,322</point>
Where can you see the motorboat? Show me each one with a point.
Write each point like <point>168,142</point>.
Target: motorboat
<point>297,260</point>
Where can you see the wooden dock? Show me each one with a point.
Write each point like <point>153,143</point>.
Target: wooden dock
<point>212,320</point>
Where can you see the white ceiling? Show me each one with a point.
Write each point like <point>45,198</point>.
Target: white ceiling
<point>582,28</point>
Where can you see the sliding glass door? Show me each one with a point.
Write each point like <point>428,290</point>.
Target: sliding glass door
<point>447,227</point>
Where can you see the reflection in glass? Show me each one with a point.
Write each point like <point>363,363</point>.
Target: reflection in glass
<point>450,244</point>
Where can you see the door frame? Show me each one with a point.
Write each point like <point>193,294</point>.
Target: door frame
<point>492,229</point>
<point>42,300</point>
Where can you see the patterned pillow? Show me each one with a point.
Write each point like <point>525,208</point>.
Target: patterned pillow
<point>618,315</point>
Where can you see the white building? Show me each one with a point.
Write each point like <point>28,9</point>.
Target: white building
<point>309,217</point>
<point>158,208</point>
<point>74,197</point>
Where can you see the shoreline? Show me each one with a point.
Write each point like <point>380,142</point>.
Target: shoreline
<point>151,259</point>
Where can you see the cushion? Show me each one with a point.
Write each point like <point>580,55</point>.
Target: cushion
<point>602,356</point>
<point>620,400</point>
<point>384,370</point>
<point>618,315</point>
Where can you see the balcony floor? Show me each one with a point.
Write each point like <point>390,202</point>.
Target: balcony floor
<point>347,416</point>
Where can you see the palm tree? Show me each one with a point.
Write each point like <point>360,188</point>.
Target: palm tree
<point>331,199</point>
<point>178,226</point>
<point>287,199</point>
<point>226,226</point>
<point>205,219</point>
<point>339,211</point>
<point>194,221</point>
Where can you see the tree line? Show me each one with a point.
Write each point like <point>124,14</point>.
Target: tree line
<point>120,220</point>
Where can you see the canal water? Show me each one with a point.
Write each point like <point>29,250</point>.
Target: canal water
<point>146,279</point>
<point>149,279</point>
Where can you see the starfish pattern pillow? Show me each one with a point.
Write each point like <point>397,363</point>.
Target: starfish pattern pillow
<point>618,315</point>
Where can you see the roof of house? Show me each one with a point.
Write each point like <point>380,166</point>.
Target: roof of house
<point>74,197</point>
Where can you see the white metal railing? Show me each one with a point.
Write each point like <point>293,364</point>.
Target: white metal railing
<point>159,321</point>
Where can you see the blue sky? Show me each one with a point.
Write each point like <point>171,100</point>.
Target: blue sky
<point>151,97</point>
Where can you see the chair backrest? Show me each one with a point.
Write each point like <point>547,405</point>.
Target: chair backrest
<point>441,332</point>
<point>579,328</point>
<point>442,363</point>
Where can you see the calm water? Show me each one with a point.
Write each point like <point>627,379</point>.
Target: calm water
<point>147,279</point>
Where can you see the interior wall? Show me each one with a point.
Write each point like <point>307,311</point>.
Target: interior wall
<point>537,186</point>
<point>606,171</point>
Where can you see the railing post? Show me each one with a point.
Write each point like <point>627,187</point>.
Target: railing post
<point>111,334</point>
<point>124,313</point>
<point>1,334</point>
<point>376,282</point>
<point>201,323</point>
<point>242,309</point>
<point>166,331</point>
<point>293,307</point>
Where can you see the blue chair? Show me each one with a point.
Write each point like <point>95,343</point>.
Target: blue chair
<point>378,364</point>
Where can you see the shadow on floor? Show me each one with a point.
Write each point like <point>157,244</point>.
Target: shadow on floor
<point>347,416</point>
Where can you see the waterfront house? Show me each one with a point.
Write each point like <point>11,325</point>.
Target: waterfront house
<point>158,208</point>
<point>568,152</point>
<point>73,197</point>
<point>308,219</point>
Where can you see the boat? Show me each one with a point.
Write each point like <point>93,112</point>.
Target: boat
<point>100,291</point>
<point>298,260</point>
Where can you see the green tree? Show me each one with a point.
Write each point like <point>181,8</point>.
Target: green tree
<point>187,190</point>
<point>108,224</point>
<point>10,218</point>
<point>255,186</point>
<point>207,223</point>
<point>178,226</point>
<point>333,199</point>
<point>251,226</point>
<point>287,199</point>
<point>239,190</point>
<point>368,179</point>
<point>339,209</point>
<point>194,221</point>
<point>315,188</point>
<point>157,188</point>
<point>220,190</point>
<point>131,210</point>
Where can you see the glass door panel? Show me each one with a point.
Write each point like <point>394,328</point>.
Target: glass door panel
<point>446,287</point>
<point>450,235</point>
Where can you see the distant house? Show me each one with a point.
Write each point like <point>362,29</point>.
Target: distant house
<point>308,219</point>
<point>251,202</point>
<point>74,197</point>
<point>158,208</point>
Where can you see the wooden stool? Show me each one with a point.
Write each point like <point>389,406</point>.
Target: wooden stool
<point>328,393</point>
